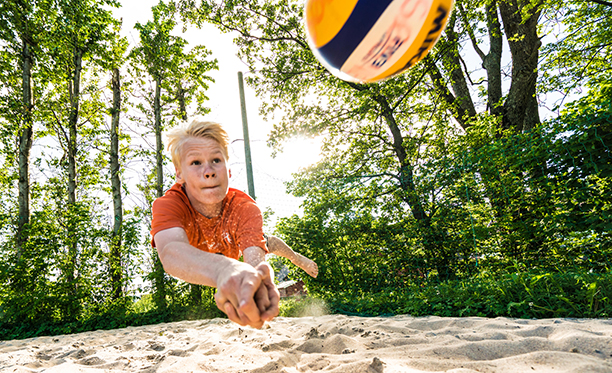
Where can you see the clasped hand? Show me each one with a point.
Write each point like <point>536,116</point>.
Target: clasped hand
<point>247,295</point>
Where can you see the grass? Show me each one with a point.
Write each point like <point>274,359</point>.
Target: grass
<point>527,294</point>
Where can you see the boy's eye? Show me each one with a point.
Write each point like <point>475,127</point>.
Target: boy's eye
<point>217,160</point>
<point>195,163</point>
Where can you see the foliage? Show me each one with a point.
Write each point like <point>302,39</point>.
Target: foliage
<point>181,73</point>
<point>581,57</point>
<point>540,198</point>
<point>440,191</point>
<point>177,78</point>
<point>118,314</point>
<point>59,279</point>
<point>520,294</point>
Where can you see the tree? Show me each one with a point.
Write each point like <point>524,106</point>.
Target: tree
<point>115,252</point>
<point>81,35</point>
<point>178,76</point>
<point>580,57</point>
<point>380,139</point>
<point>23,25</point>
<point>25,40</point>
<point>116,59</point>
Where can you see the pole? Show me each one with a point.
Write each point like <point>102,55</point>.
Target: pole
<point>247,143</point>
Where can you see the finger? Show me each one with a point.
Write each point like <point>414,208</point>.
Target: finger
<point>234,315</point>
<point>262,298</point>
<point>274,299</point>
<point>244,320</point>
<point>226,293</point>
<point>226,306</point>
<point>220,301</point>
<point>247,307</point>
<point>264,270</point>
<point>273,308</point>
<point>230,311</point>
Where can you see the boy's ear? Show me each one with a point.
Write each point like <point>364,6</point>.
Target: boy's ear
<point>179,177</point>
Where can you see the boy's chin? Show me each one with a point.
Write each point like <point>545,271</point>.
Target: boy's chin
<point>212,195</point>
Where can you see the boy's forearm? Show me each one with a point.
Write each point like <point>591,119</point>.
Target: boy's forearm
<point>195,266</point>
<point>278,247</point>
<point>254,255</point>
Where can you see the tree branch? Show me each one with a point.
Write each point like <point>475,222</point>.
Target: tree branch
<point>60,129</point>
<point>601,2</point>
<point>271,40</point>
<point>440,85</point>
<point>470,32</point>
<point>467,73</point>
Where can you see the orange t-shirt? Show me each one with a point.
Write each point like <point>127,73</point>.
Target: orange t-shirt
<point>239,226</point>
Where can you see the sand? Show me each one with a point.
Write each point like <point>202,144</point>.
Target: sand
<point>332,343</point>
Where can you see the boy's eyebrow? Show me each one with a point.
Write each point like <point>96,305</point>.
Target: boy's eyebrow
<point>195,152</point>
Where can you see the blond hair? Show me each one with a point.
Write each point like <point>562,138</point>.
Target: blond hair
<point>197,128</point>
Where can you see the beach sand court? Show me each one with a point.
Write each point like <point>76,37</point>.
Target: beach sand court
<point>332,343</point>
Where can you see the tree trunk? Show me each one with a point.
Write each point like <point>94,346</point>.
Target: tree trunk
<point>159,160</point>
<point>116,237</point>
<point>431,240</point>
<point>492,61</point>
<point>520,111</point>
<point>463,99</point>
<point>158,269</point>
<point>25,145</point>
<point>181,99</point>
<point>406,180</point>
<point>75,93</point>
<point>438,81</point>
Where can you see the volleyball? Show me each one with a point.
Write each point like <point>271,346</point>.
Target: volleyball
<point>372,40</point>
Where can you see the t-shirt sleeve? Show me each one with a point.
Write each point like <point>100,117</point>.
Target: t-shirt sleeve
<point>250,227</point>
<point>168,213</point>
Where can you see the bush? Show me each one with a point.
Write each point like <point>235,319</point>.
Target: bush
<point>518,295</point>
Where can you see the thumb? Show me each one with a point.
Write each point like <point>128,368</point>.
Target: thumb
<point>265,271</point>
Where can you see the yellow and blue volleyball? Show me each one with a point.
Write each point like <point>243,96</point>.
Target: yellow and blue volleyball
<point>372,40</point>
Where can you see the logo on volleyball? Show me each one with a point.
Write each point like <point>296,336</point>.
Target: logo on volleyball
<point>372,40</point>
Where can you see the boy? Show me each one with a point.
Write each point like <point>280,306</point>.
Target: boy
<point>200,216</point>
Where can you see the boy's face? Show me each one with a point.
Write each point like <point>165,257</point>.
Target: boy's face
<point>204,174</point>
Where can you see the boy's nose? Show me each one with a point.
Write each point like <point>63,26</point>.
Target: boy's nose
<point>209,173</point>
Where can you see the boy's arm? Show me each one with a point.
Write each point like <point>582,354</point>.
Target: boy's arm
<point>267,297</point>
<point>254,255</point>
<point>237,283</point>
<point>278,247</point>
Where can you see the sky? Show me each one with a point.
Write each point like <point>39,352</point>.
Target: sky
<point>269,173</point>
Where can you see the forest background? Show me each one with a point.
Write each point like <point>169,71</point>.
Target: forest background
<point>440,191</point>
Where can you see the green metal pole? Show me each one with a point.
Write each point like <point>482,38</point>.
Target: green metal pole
<point>247,143</point>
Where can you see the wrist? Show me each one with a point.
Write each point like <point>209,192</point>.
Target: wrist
<point>223,270</point>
